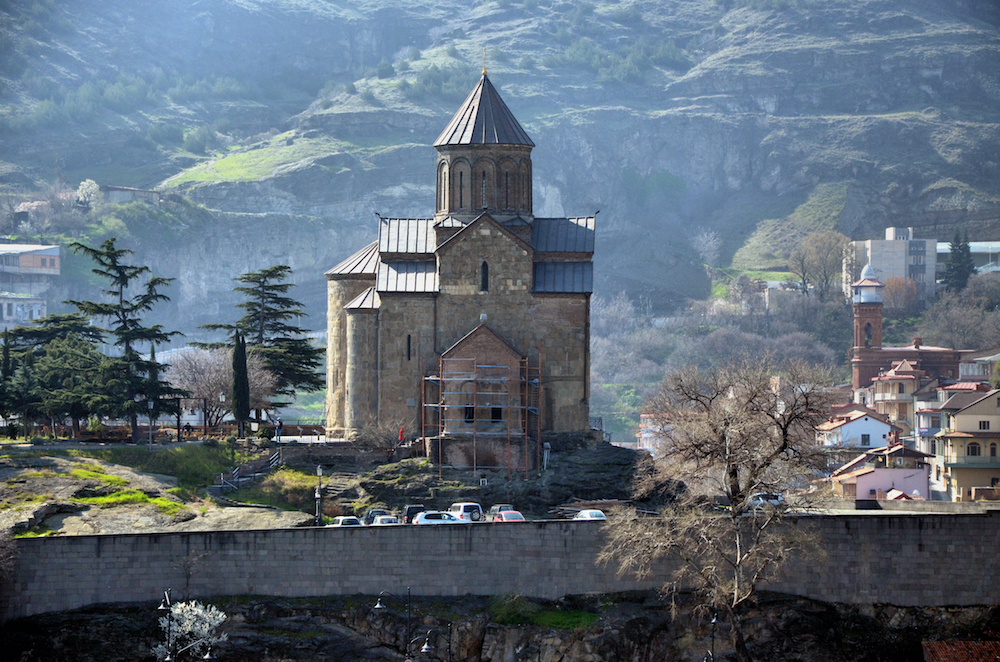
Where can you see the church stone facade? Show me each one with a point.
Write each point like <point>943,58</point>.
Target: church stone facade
<point>474,323</point>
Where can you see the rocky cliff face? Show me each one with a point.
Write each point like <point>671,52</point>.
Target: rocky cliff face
<point>759,109</point>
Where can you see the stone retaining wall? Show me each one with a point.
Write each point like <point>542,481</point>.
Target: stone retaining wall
<point>905,560</point>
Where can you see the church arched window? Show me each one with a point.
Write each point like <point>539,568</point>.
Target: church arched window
<point>484,190</point>
<point>506,190</point>
<point>461,190</point>
<point>484,277</point>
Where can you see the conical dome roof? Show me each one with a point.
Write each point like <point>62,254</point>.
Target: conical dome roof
<point>483,119</point>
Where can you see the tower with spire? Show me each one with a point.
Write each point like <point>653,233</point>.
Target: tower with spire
<point>469,328</point>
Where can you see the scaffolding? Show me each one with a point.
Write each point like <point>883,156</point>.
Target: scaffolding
<point>480,402</point>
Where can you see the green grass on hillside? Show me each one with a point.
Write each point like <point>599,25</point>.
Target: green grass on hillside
<point>194,465</point>
<point>129,497</point>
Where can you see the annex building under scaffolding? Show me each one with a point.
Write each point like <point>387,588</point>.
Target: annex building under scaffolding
<point>470,329</point>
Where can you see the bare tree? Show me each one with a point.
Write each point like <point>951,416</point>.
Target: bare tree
<point>207,374</point>
<point>801,267</point>
<point>825,252</point>
<point>900,296</point>
<point>707,244</point>
<point>728,434</point>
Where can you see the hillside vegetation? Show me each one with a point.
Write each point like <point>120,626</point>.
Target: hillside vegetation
<point>296,121</point>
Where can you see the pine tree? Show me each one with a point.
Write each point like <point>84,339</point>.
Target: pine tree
<point>69,371</point>
<point>284,348</point>
<point>125,375</point>
<point>960,265</point>
<point>241,385</point>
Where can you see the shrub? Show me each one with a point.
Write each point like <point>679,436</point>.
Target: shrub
<point>512,610</point>
<point>196,139</point>
<point>350,88</point>
<point>385,70</point>
<point>368,97</point>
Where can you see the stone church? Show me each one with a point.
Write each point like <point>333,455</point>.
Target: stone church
<point>471,328</point>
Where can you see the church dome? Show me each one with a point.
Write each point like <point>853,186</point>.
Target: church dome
<point>868,273</point>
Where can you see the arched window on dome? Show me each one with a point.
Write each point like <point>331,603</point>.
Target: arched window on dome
<point>484,277</point>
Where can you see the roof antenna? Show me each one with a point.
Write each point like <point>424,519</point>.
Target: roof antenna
<point>484,60</point>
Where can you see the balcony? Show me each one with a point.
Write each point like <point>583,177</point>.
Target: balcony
<point>893,397</point>
<point>971,461</point>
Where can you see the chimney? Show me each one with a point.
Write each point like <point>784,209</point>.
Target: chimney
<point>917,342</point>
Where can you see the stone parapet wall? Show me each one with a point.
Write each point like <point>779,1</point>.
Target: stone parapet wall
<point>904,560</point>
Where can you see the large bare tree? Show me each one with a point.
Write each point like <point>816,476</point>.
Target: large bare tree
<point>728,434</point>
<point>208,373</point>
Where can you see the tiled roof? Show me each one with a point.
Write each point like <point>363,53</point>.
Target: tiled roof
<point>483,119</point>
<point>367,300</point>
<point>961,651</point>
<point>407,276</point>
<point>563,235</point>
<point>406,235</point>
<point>564,277</point>
<point>363,262</point>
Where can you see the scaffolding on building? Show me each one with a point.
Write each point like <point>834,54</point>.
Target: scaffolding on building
<point>472,401</point>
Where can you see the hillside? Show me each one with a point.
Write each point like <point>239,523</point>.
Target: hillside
<point>297,121</point>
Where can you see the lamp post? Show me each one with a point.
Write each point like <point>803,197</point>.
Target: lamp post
<point>150,407</point>
<point>379,606</point>
<point>319,495</point>
<point>710,655</point>
<point>428,647</point>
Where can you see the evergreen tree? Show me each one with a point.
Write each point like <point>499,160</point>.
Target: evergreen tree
<point>283,346</point>
<point>68,373</point>
<point>959,266</point>
<point>51,327</point>
<point>241,385</point>
<point>24,394</point>
<point>125,374</point>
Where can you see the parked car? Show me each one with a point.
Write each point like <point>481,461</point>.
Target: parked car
<point>467,510</point>
<point>437,517</point>
<point>372,514</point>
<point>509,516</point>
<point>345,520</point>
<point>590,514</point>
<point>491,516</point>
<point>763,500</point>
<point>384,520</point>
<point>410,511</point>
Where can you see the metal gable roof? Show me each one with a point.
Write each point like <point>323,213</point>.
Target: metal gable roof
<point>563,235</point>
<point>407,276</point>
<point>483,119</point>
<point>406,235</point>
<point>363,262</point>
<point>564,277</point>
<point>367,300</point>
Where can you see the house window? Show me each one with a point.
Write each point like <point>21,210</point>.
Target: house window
<point>993,450</point>
<point>984,425</point>
<point>484,277</point>
<point>935,421</point>
<point>902,388</point>
<point>496,414</point>
<point>933,446</point>
<point>470,414</point>
<point>973,450</point>
<point>866,440</point>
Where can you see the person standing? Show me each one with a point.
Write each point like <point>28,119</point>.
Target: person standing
<point>277,430</point>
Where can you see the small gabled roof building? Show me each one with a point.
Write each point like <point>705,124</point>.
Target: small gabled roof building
<point>471,323</point>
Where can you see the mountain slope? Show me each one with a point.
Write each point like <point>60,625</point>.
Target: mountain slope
<point>759,120</point>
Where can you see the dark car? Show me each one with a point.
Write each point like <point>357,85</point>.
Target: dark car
<point>372,514</point>
<point>411,510</point>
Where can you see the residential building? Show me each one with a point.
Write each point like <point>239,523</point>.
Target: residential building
<point>886,472</point>
<point>966,448</point>
<point>469,327</point>
<point>898,255</point>
<point>851,430</point>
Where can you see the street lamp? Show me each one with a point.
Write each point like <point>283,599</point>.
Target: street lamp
<point>150,406</point>
<point>710,655</point>
<point>319,495</point>
<point>380,606</point>
<point>428,647</point>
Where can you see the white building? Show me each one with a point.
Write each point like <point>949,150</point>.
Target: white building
<point>898,255</point>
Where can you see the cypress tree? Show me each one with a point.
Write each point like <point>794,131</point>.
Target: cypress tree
<point>241,384</point>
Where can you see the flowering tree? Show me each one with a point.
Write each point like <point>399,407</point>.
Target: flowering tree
<point>190,629</point>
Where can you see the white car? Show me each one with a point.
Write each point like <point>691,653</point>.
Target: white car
<point>763,500</point>
<point>467,510</point>
<point>385,520</point>
<point>345,521</point>
<point>437,517</point>
<point>590,514</point>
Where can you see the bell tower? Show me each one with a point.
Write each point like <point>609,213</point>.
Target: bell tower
<point>484,161</point>
<point>867,300</point>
